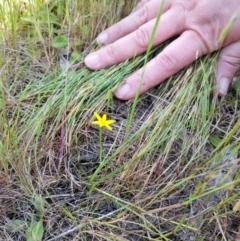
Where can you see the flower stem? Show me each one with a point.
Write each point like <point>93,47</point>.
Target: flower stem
<point>100,145</point>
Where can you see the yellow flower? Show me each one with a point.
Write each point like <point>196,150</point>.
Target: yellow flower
<point>102,121</point>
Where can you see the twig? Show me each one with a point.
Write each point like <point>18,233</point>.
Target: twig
<point>220,227</point>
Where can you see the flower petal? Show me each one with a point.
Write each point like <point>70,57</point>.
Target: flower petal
<point>96,123</point>
<point>109,122</point>
<point>104,118</point>
<point>97,116</point>
<point>108,127</point>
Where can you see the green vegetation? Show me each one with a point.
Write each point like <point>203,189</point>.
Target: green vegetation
<point>160,163</point>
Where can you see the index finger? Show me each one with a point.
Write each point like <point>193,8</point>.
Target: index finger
<point>147,12</point>
<point>137,42</point>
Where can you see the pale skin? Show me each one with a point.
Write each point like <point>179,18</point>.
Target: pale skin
<point>197,25</point>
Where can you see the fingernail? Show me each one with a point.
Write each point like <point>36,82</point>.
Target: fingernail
<point>102,38</point>
<point>92,60</point>
<point>223,86</point>
<point>122,91</point>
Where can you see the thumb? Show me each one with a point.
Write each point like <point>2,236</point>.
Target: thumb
<point>228,64</point>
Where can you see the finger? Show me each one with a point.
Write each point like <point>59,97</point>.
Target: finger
<point>228,64</point>
<point>129,24</point>
<point>140,5</point>
<point>137,42</point>
<point>173,58</point>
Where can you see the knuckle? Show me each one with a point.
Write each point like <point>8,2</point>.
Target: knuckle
<point>146,80</point>
<point>203,33</point>
<point>118,29</point>
<point>186,7</point>
<point>166,61</point>
<point>230,60</point>
<point>139,5</point>
<point>142,15</point>
<point>142,3</point>
<point>204,37</point>
<point>111,52</point>
<point>141,37</point>
<point>190,5</point>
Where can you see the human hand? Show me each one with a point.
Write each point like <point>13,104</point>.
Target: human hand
<point>198,25</point>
